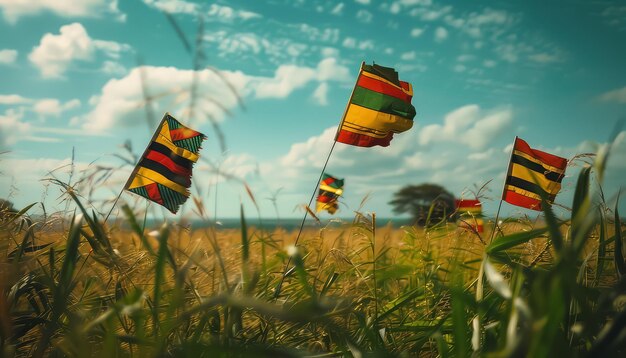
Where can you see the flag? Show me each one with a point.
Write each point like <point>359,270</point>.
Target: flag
<point>532,173</point>
<point>330,189</point>
<point>470,214</point>
<point>163,174</point>
<point>380,106</point>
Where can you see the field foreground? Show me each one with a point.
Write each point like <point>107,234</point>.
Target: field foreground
<point>83,288</point>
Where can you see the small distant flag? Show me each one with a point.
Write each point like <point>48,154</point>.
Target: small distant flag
<point>163,174</point>
<point>380,106</point>
<point>330,189</point>
<point>532,173</point>
<point>470,214</point>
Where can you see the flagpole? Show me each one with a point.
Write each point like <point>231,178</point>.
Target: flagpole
<point>508,172</point>
<point>134,172</point>
<point>345,111</point>
<point>306,212</point>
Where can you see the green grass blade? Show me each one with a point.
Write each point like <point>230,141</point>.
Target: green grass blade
<point>399,302</point>
<point>581,192</point>
<point>14,216</point>
<point>620,264</point>
<point>601,255</point>
<point>132,220</point>
<point>506,242</point>
<point>459,319</point>
<point>245,243</point>
<point>159,274</point>
<point>553,226</point>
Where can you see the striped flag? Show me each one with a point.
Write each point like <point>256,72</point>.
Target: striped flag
<point>470,214</point>
<point>532,173</point>
<point>163,174</point>
<point>330,189</point>
<point>380,106</point>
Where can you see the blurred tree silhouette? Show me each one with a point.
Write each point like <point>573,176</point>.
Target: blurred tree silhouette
<point>417,200</point>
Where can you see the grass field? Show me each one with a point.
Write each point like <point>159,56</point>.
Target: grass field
<point>82,287</point>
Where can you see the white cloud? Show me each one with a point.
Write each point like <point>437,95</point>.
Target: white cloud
<point>227,13</point>
<point>430,13</point>
<point>512,49</point>
<point>401,5</point>
<point>489,63</point>
<point>327,34</point>
<point>287,79</point>
<point>34,170</point>
<point>321,94</point>
<point>465,58</point>
<point>174,6</point>
<point>43,107</point>
<point>366,45</point>
<point>13,99</point>
<point>55,53</point>
<point>240,166</point>
<point>14,9</point>
<point>417,32</point>
<point>408,56</point>
<point>330,52</point>
<point>364,16</point>
<point>349,42</point>
<point>469,125</point>
<point>545,58</point>
<point>363,2</point>
<point>459,68</point>
<point>12,128</point>
<point>489,17</point>
<point>352,43</point>
<point>328,69</point>
<point>338,9</point>
<point>113,68</point>
<point>121,100</point>
<point>508,52</point>
<point>217,12</point>
<point>441,34</point>
<point>310,153</point>
<point>53,107</point>
<point>615,16</point>
<point>7,56</point>
<point>617,95</point>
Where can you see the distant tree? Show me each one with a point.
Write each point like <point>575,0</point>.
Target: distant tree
<point>6,205</point>
<point>416,200</point>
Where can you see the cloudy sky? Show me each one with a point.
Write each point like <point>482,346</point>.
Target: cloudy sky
<point>84,77</point>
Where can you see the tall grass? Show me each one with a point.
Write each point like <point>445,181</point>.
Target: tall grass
<point>354,290</point>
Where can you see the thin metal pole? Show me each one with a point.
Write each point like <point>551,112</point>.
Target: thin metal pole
<point>113,206</point>
<point>508,173</point>
<point>282,279</point>
<point>306,212</point>
<point>495,224</point>
<point>134,172</point>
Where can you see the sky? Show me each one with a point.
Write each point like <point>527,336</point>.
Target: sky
<point>83,80</point>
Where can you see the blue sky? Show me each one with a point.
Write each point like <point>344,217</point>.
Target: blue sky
<point>553,73</point>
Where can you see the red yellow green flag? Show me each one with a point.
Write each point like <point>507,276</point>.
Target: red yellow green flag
<point>470,213</point>
<point>380,106</point>
<point>330,189</point>
<point>532,173</point>
<point>163,174</point>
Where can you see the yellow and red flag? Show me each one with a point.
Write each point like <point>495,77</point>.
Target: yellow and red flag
<point>532,173</point>
<point>330,189</point>
<point>163,174</point>
<point>470,213</point>
<point>380,106</point>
